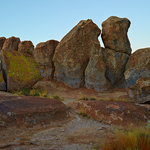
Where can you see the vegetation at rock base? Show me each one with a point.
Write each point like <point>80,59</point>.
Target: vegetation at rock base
<point>36,92</point>
<point>130,138</point>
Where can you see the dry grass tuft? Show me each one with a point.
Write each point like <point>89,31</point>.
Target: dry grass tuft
<point>132,138</point>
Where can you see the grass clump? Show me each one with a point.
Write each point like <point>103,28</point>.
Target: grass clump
<point>132,138</point>
<point>83,97</point>
<point>57,97</point>
<point>32,92</point>
<point>83,113</point>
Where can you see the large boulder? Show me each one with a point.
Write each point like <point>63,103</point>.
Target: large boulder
<point>43,54</point>
<point>95,74</point>
<point>28,111</point>
<point>2,40</point>
<point>140,92</point>
<point>74,51</point>
<point>11,44</point>
<point>19,71</point>
<point>26,47</point>
<point>114,34</point>
<point>115,65</point>
<point>137,66</point>
<point>2,83</point>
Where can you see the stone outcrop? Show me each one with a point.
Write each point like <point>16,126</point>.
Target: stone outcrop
<point>11,44</point>
<point>115,65</point>
<point>29,111</point>
<point>19,71</point>
<point>137,66</point>
<point>73,52</point>
<point>2,40</point>
<point>43,54</point>
<point>114,34</point>
<point>26,47</point>
<point>140,92</point>
<point>2,83</point>
<point>95,74</point>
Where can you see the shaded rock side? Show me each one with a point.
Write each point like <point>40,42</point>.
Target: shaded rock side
<point>74,51</point>
<point>2,40</point>
<point>2,82</point>
<point>30,111</point>
<point>140,92</point>
<point>137,66</point>
<point>95,74</point>
<point>114,34</point>
<point>26,47</point>
<point>11,43</point>
<point>19,71</point>
<point>115,65</point>
<point>43,54</point>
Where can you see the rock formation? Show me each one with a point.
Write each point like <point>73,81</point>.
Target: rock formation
<point>114,34</point>
<point>137,66</point>
<point>43,54</point>
<point>95,74</point>
<point>11,44</point>
<point>19,71</point>
<point>74,51</point>
<point>2,40</point>
<point>140,92</point>
<point>2,83</point>
<point>115,65</point>
<point>26,47</point>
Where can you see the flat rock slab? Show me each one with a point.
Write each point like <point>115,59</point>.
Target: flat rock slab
<point>113,112</point>
<point>29,111</point>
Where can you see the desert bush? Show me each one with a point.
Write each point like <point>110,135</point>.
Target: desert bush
<point>132,138</point>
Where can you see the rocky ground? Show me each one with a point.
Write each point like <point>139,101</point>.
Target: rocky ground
<point>76,132</point>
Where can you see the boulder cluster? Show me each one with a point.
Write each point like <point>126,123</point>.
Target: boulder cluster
<point>79,60</point>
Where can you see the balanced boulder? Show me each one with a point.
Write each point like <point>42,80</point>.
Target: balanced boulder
<point>2,40</point>
<point>74,51</point>
<point>95,74</point>
<point>26,47</point>
<point>114,34</point>
<point>115,65</point>
<point>137,66</point>
<point>43,54</point>
<point>18,70</point>
<point>11,44</point>
<point>140,92</point>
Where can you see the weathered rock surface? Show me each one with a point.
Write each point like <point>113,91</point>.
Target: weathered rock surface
<point>115,65</point>
<point>2,83</point>
<point>114,34</point>
<point>26,47</point>
<point>29,111</point>
<point>2,40</point>
<point>140,92</point>
<point>95,74</point>
<point>113,113</point>
<point>43,54</point>
<point>19,71</point>
<point>11,44</point>
<point>74,51</point>
<point>137,66</point>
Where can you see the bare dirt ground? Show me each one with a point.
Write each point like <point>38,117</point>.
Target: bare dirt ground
<point>77,132</point>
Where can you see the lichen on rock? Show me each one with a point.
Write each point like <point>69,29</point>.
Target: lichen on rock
<point>20,71</point>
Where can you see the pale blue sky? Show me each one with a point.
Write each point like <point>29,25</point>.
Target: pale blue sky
<point>42,20</point>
